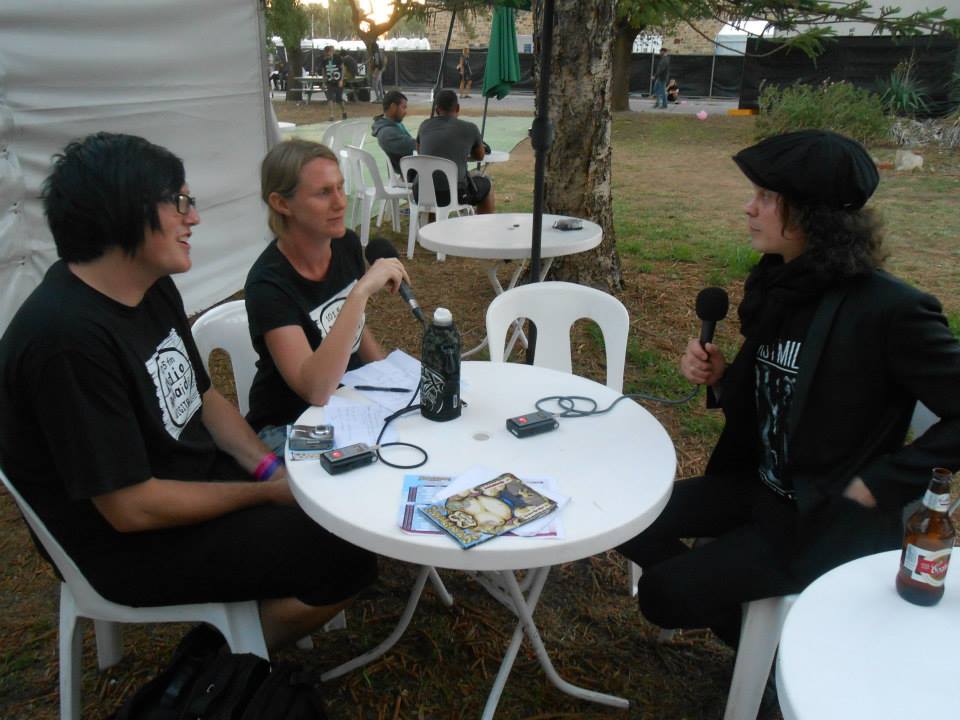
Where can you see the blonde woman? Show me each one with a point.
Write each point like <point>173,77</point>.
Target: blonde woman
<point>307,293</point>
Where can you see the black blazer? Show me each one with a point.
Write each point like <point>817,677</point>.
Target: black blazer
<point>874,347</point>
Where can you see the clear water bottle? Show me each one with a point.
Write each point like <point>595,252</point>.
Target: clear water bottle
<point>440,369</point>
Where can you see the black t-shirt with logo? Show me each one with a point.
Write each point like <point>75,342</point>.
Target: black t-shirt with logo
<point>775,375</point>
<point>278,296</point>
<point>96,396</point>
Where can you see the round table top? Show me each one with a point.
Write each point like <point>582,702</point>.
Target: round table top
<point>506,236</point>
<point>617,469</point>
<point>496,156</point>
<point>852,648</point>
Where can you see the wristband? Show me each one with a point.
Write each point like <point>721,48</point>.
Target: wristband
<point>267,467</point>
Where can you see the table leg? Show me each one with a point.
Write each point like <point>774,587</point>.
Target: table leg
<point>401,627</point>
<point>524,608</point>
<point>518,333</point>
<point>498,289</point>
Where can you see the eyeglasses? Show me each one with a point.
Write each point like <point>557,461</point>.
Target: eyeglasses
<point>183,202</point>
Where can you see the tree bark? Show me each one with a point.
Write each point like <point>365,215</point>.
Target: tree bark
<point>623,38</point>
<point>578,162</point>
<point>294,70</point>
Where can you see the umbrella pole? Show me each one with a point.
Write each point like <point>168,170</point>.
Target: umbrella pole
<point>443,56</point>
<point>541,136</point>
<point>483,126</point>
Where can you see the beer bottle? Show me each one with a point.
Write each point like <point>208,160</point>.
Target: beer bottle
<point>440,369</point>
<point>927,544</point>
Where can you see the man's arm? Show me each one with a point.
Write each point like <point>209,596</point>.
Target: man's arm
<point>395,142</point>
<point>230,431</point>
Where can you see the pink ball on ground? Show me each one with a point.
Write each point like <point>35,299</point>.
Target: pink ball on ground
<point>702,115</point>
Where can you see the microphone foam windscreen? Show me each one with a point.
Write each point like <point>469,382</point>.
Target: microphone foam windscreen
<point>379,248</point>
<point>712,304</point>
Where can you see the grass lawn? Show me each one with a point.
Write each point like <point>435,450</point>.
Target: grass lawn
<point>678,202</point>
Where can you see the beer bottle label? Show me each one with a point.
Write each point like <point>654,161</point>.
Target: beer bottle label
<point>926,566</point>
<point>936,502</point>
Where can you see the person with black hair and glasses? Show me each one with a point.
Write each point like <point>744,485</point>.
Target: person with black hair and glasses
<point>110,429</point>
<point>811,469</point>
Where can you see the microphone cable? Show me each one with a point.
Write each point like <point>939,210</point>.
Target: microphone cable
<point>569,409</point>
<point>408,408</point>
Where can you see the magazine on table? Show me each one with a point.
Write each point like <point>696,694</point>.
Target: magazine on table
<point>491,508</point>
<point>422,490</point>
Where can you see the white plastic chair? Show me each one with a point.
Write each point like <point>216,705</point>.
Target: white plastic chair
<point>424,167</point>
<point>553,307</point>
<point>345,132</point>
<point>239,622</point>
<point>363,168</point>
<point>759,638</point>
<point>225,327</point>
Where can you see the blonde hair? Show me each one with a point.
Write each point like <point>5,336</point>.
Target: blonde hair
<point>280,173</point>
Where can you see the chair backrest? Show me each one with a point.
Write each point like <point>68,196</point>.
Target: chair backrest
<point>553,307</point>
<point>428,169</point>
<point>360,161</point>
<point>352,132</point>
<point>82,590</point>
<point>330,136</point>
<point>225,327</point>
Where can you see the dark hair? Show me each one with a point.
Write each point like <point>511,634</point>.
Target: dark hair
<point>393,97</point>
<point>104,190</point>
<point>841,243</point>
<point>447,100</point>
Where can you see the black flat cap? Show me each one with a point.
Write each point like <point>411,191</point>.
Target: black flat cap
<point>812,167</point>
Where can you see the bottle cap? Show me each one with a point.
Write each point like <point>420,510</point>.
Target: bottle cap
<point>442,316</point>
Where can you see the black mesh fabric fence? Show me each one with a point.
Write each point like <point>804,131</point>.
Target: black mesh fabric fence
<point>866,62</point>
<point>418,69</point>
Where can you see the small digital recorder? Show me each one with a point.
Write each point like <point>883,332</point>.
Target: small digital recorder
<point>347,458</point>
<point>532,424</point>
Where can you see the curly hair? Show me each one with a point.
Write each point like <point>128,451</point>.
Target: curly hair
<point>840,243</point>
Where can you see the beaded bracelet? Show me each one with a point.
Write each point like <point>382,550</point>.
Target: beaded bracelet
<point>267,467</point>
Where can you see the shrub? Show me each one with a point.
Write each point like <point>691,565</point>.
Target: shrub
<point>902,94</point>
<point>839,106</point>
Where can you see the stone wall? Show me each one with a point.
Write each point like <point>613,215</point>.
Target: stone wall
<point>474,31</point>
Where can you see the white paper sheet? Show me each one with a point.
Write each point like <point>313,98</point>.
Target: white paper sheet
<point>397,370</point>
<point>355,422</point>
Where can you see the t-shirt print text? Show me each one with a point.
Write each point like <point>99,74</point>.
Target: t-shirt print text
<point>326,315</point>
<point>176,384</point>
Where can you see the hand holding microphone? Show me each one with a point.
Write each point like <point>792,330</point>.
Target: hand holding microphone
<point>703,362</point>
<point>380,249</point>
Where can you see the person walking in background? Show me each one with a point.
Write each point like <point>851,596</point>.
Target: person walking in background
<point>463,70</point>
<point>377,64</point>
<point>333,75</point>
<point>660,74</point>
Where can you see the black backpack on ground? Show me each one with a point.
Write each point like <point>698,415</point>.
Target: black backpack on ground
<point>205,680</point>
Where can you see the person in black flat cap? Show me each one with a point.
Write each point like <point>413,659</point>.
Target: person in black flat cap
<point>811,469</point>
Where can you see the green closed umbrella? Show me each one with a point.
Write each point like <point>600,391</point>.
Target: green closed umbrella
<point>503,63</point>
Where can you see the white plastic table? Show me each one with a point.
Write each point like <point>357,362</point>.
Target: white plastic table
<point>500,237</point>
<point>852,648</point>
<point>617,469</point>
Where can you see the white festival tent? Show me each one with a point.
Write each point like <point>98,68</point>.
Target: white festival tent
<point>184,74</point>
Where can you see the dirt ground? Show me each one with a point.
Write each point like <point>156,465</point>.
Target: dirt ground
<point>443,667</point>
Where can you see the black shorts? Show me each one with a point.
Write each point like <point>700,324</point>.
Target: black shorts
<point>334,92</point>
<point>472,191</point>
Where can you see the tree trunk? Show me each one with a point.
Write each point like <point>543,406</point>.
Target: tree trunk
<point>294,70</point>
<point>623,38</point>
<point>578,162</point>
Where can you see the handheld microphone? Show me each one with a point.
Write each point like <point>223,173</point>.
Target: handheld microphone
<point>712,306</point>
<point>379,248</point>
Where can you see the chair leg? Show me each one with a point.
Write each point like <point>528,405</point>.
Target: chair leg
<point>634,571</point>
<point>759,637</point>
<point>242,630</point>
<point>412,230</point>
<point>337,622</point>
<point>395,207</point>
<point>109,643</point>
<point>365,211</point>
<point>70,647</point>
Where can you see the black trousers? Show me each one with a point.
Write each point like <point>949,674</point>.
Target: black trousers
<point>761,547</point>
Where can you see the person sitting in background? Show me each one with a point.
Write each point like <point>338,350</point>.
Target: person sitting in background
<point>811,469</point>
<point>112,432</point>
<point>447,136</point>
<point>393,138</point>
<point>673,91</point>
<point>307,292</point>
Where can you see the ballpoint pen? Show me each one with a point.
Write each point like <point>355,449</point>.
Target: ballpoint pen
<point>381,389</point>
